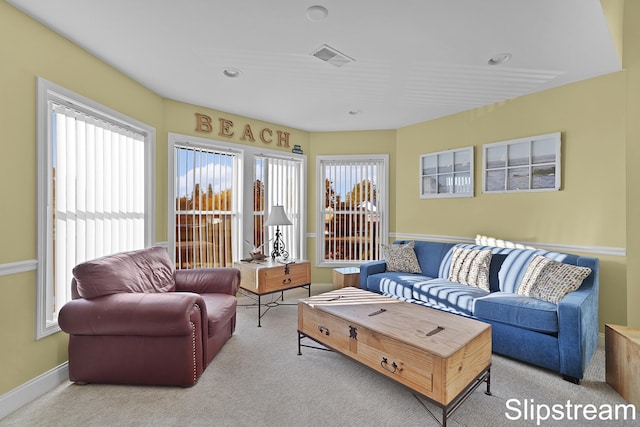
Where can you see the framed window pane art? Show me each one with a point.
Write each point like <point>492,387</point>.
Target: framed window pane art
<point>525,164</point>
<point>447,174</point>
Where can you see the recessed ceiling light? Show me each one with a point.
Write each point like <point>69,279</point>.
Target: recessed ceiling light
<point>316,13</point>
<point>231,72</point>
<point>500,58</point>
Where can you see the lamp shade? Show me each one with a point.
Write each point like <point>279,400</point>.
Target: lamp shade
<point>277,217</point>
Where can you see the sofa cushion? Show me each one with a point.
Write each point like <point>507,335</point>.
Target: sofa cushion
<point>550,280</point>
<point>401,257</point>
<point>395,283</point>
<point>447,295</point>
<point>145,270</point>
<point>517,310</point>
<point>471,267</point>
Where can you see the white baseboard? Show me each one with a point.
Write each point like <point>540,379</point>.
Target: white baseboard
<point>33,389</point>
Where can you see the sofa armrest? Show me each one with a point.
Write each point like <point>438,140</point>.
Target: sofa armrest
<point>370,268</point>
<point>220,280</point>
<point>578,326</point>
<point>158,314</point>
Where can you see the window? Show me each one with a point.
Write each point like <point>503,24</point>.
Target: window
<point>94,191</point>
<point>526,164</point>
<point>277,181</point>
<point>352,208</point>
<point>447,174</point>
<point>212,183</point>
<point>206,214</point>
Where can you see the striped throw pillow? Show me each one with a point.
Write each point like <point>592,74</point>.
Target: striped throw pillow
<point>471,267</point>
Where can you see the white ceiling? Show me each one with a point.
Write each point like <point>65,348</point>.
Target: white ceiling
<point>415,60</point>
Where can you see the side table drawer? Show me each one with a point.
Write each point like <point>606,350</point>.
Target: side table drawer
<point>283,277</point>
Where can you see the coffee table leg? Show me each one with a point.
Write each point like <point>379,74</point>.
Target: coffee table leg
<point>488,380</point>
<point>259,309</point>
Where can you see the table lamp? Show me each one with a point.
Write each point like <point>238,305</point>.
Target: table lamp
<point>278,217</point>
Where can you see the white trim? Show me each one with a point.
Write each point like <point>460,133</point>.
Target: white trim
<point>18,267</point>
<point>558,247</point>
<point>33,389</point>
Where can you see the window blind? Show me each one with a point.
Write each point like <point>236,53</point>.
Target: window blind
<point>283,187</point>
<point>352,209</point>
<point>98,184</point>
<point>204,194</point>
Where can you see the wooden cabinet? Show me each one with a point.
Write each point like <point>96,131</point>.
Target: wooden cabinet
<point>622,361</point>
<point>272,276</point>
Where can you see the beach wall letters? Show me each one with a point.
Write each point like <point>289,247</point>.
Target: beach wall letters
<point>225,127</point>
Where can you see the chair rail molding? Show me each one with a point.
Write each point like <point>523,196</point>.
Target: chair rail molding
<point>556,247</point>
<point>18,267</point>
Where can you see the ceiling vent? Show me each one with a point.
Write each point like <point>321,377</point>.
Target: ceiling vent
<point>332,56</point>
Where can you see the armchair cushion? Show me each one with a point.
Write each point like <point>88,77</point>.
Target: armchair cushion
<point>150,271</point>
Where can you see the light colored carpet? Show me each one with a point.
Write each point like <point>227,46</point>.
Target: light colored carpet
<point>259,380</point>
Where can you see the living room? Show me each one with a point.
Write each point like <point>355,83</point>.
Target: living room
<point>594,213</point>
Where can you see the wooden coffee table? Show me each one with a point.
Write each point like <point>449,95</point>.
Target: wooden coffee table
<point>442,356</point>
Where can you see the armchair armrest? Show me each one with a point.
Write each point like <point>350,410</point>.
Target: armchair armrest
<point>370,268</point>
<point>220,280</point>
<point>157,314</point>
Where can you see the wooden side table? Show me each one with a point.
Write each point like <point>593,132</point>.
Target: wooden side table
<point>270,276</point>
<point>348,276</point>
<point>622,361</point>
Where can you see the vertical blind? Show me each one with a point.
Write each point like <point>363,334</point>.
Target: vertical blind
<point>97,173</point>
<point>283,187</point>
<point>204,196</point>
<point>352,209</point>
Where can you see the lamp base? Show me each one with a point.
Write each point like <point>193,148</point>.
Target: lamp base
<point>278,246</point>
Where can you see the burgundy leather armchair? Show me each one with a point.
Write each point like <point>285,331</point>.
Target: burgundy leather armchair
<point>135,319</point>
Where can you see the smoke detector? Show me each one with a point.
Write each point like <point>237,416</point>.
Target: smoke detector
<point>332,56</point>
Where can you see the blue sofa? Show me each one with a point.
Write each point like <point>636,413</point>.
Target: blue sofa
<point>561,337</point>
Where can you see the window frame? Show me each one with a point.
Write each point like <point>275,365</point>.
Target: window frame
<point>46,92</point>
<point>245,180</point>
<point>555,138</point>
<point>382,189</point>
<point>468,151</point>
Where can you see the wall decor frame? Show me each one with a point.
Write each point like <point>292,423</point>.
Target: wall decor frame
<point>530,164</point>
<point>447,174</point>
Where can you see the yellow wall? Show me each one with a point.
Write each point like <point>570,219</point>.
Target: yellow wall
<point>598,205</point>
<point>29,50</point>
<point>588,211</point>
<point>631,62</point>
